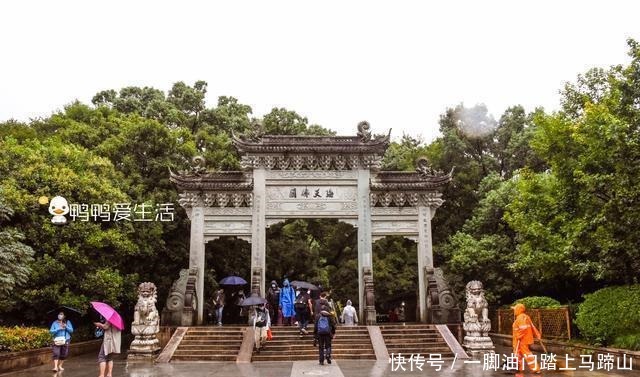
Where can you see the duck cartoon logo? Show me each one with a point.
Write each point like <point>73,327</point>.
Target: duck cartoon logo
<point>59,207</point>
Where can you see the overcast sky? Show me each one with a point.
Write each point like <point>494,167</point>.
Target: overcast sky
<point>397,64</point>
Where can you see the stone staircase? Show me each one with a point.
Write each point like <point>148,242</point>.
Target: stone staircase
<point>351,342</point>
<point>210,344</point>
<point>415,339</point>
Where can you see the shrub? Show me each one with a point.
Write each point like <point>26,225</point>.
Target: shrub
<point>610,313</point>
<point>23,338</point>
<point>537,302</point>
<point>630,342</point>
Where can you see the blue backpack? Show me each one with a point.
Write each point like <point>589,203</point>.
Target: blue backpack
<point>323,326</point>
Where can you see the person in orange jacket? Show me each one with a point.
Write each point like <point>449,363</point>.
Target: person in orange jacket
<point>523,335</point>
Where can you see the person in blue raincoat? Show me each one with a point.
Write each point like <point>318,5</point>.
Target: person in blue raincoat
<point>287,298</point>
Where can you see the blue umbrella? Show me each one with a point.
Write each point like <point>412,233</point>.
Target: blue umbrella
<point>233,280</point>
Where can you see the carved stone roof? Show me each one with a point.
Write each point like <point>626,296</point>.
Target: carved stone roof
<point>218,181</point>
<point>311,144</point>
<point>408,181</point>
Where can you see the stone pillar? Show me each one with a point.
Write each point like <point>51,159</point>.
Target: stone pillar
<point>365,257</point>
<point>258,228</point>
<point>196,255</point>
<point>425,256</point>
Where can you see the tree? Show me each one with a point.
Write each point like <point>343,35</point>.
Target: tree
<point>281,121</point>
<point>581,216</point>
<point>15,258</point>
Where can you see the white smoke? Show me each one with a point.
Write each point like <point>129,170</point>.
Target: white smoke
<point>475,122</point>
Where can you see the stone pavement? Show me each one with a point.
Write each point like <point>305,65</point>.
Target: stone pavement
<point>85,366</point>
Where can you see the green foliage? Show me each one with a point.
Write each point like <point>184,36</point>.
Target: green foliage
<point>538,302</point>
<point>15,258</point>
<point>629,342</point>
<point>404,154</point>
<point>13,339</point>
<point>281,121</point>
<point>319,251</point>
<point>579,220</point>
<point>609,314</point>
<point>395,269</point>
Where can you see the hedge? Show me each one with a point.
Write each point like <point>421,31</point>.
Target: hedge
<point>23,338</point>
<point>611,316</point>
<point>538,302</point>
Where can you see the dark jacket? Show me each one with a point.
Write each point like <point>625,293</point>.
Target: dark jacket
<point>332,323</point>
<point>318,306</point>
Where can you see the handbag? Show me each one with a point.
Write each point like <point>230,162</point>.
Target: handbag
<point>60,340</point>
<point>269,334</point>
<point>99,333</point>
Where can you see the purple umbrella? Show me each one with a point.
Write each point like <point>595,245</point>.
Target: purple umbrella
<point>233,280</point>
<point>109,313</point>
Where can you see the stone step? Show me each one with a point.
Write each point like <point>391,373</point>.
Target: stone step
<point>409,332</point>
<point>411,335</point>
<point>314,356</point>
<point>180,352</point>
<point>213,339</point>
<point>293,347</point>
<point>407,326</point>
<point>216,331</point>
<point>429,342</point>
<point>190,359</point>
<point>310,335</point>
<point>200,347</point>
<point>209,343</point>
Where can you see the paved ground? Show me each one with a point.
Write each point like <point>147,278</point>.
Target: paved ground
<point>85,366</point>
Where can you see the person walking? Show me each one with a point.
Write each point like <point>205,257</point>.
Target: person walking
<point>322,301</point>
<point>523,334</point>
<point>61,330</point>
<point>349,315</point>
<point>243,311</point>
<point>261,324</point>
<point>273,299</point>
<point>218,305</point>
<point>303,310</point>
<point>110,346</point>
<point>324,330</point>
<point>287,298</point>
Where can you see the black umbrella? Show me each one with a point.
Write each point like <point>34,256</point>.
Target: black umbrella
<point>69,312</point>
<point>304,285</point>
<point>252,300</point>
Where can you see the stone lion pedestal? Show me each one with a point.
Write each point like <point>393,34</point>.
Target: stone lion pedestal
<point>476,321</point>
<point>145,326</point>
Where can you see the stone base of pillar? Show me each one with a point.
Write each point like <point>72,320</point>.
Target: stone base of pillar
<point>370,316</point>
<point>478,343</point>
<point>145,345</point>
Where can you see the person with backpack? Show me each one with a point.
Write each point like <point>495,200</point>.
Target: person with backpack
<point>261,324</point>
<point>303,310</point>
<point>325,330</point>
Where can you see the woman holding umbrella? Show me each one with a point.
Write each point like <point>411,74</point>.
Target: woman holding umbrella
<point>112,326</point>
<point>60,330</point>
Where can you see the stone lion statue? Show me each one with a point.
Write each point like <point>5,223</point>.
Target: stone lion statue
<point>476,316</point>
<point>145,310</point>
<point>145,324</point>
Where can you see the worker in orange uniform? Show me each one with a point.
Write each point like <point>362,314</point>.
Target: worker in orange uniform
<point>523,335</point>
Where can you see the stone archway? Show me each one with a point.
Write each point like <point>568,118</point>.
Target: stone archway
<point>335,177</point>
